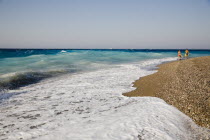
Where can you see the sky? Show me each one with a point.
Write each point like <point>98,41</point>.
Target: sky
<point>117,24</point>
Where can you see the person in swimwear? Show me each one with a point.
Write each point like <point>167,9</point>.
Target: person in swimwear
<point>179,55</point>
<point>186,53</point>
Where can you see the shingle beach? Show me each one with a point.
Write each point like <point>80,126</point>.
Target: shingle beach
<point>184,84</point>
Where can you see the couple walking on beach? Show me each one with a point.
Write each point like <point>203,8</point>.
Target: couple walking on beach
<point>180,55</point>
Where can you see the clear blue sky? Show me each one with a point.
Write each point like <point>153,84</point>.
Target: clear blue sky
<point>105,24</point>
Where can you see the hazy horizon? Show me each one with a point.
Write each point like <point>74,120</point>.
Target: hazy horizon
<point>117,24</point>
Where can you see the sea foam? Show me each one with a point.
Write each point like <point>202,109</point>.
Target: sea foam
<point>91,106</point>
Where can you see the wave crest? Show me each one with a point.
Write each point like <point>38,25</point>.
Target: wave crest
<point>22,79</point>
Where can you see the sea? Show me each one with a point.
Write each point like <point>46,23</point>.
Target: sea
<point>76,94</point>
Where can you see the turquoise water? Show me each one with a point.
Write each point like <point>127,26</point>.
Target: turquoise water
<point>22,67</point>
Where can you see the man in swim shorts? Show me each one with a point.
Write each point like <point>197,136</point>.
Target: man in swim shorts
<point>186,53</point>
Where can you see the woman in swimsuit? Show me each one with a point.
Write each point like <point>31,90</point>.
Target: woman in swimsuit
<point>179,55</point>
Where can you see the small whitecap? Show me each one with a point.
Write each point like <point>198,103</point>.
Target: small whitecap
<point>63,51</point>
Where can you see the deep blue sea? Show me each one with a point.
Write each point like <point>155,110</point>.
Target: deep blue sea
<point>19,67</point>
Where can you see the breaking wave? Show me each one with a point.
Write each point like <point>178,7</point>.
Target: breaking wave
<point>16,80</point>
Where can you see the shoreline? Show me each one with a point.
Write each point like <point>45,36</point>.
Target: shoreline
<point>184,84</point>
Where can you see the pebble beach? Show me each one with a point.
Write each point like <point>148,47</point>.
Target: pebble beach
<point>184,84</point>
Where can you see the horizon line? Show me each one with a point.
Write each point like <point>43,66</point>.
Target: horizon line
<point>91,49</point>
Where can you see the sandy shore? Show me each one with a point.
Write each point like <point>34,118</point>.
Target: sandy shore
<point>184,84</point>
